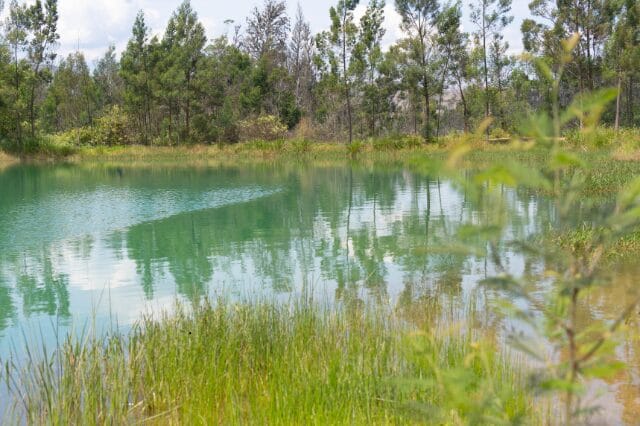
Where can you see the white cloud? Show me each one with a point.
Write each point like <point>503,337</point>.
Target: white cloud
<point>94,24</point>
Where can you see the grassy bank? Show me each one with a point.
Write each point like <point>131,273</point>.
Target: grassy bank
<point>275,364</point>
<point>609,171</point>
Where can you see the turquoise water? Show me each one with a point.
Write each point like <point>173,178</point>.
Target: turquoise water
<point>92,245</point>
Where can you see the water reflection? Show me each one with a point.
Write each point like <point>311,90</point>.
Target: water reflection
<point>68,233</point>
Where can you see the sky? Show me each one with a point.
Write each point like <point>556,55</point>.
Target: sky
<point>92,25</point>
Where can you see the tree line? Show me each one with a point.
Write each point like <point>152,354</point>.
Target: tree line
<point>339,84</point>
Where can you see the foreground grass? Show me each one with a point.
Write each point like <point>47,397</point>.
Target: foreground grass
<point>274,364</point>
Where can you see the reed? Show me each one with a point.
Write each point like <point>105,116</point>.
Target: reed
<point>268,363</point>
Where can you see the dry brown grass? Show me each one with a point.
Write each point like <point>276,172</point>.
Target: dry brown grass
<point>7,160</point>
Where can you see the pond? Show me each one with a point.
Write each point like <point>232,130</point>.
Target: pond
<point>97,246</point>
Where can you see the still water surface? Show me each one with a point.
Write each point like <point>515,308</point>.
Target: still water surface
<point>84,245</point>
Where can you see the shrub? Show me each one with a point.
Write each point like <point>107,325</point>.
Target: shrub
<point>499,133</point>
<point>76,137</point>
<point>113,128</point>
<point>263,128</point>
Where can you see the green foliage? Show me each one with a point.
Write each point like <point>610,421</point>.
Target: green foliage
<point>113,128</point>
<point>72,97</point>
<point>262,128</point>
<point>83,136</point>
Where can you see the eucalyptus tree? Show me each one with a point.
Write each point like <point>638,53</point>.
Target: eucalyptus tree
<point>301,52</point>
<point>71,99</point>
<point>369,56</point>
<point>499,64</point>
<point>42,26</point>
<point>267,32</point>
<point>555,21</point>
<point>182,50</point>
<point>266,41</point>
<point>337,47</point>
<point>419,21</point>
<point>16,27</point>
<point>108,81</point>
<point>5,83</point>
<point>622,55</point>
<point>136,71</point>
<point>490,18</point>
<point>224,79</point>
<point>451,42</point>
<point>391,105</point>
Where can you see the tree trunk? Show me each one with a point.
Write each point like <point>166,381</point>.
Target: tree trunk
<point>346,79</point>
<point>17,100</point>
<point>444,76</point>
<point>630,122</point>
<point>187,112</point>
<point>32,102</point>
<point>170,122</point>
<point>465,111</point>
<point>487,111</point>
<point>427,108</point>
<point>618,97</point>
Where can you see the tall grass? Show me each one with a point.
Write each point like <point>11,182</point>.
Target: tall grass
<point>270,363</point>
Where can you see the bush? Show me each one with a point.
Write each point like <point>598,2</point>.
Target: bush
<point>75,137</point>
<point>113,128</point>
<point>499,133</point>
<point>263,128</point>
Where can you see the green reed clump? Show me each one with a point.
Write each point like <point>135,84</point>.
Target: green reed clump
<point>272,364</point>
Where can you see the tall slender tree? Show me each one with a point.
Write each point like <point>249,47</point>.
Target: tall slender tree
<point>71,99</point>
<point>301,52</point>
<point>490,18</point>
<point>16,27</point>
<point>108,81</point>
<point>451,44</point>
<point>183,46</point>
<point>419,20</point>
<point>337,47</point>
<point>136,69</point>
<point>370,56</point>
<point>42,24</point>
